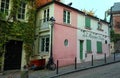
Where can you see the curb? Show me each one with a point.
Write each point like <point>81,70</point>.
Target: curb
<point>77,70</point>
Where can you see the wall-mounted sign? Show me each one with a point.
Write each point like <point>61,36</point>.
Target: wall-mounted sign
<point>93,35</point>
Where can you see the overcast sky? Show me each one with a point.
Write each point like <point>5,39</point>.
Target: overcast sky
<point>98,6</point>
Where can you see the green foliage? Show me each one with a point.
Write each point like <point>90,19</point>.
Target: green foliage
<point>19,30</point>
<point>2,16</point>
<point>114,37</point>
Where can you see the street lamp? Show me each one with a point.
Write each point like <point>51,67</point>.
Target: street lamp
<point>51,64</point>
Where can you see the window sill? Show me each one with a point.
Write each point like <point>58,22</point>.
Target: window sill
<point>99,53</point>
<point>67,24</point>
<point>89,52</point>
<point>88,28</point>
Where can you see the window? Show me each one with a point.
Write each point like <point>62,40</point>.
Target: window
<point>88,46</point>
<point>117,24</point>
<point>66,42</point>
<point>87,22</point>
<point>99,47</point>
<point>66,17</point>
<point>99,25</point>
<point>44,44</point>
<point>4,6</point>
<point>46,15</point>
<point>21,11</point>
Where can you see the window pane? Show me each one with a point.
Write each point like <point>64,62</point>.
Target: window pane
<point>42,44</point>
<point>68,17</point>
<point>21,11</point>
<point>64,16</point>
<point>47,14</point>
<point>47,44</point>
<point>4,6</point>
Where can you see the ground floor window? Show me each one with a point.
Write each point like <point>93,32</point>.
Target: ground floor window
<point>88,46</point>
<point>44,43</point>
<point>99,47</point>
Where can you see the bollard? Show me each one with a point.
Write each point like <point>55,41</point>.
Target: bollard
<point>114,57</point>
<point>75,62</point>
<point>105,58</point>
<point>57,67</point>
<point>92,60</point>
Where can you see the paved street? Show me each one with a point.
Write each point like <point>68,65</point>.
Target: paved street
<point>109,71</point>
<point>93,72</point>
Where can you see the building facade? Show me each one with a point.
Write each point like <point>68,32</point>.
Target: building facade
<point>14,56</point>
<point>115,25</point>
<point>73,34</point>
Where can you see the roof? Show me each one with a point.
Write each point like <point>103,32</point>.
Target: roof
<point>116,7</point>
<point>81,12</point>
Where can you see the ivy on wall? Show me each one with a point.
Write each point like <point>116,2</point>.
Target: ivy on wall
<point>18,30</point>
<point>114,37</point>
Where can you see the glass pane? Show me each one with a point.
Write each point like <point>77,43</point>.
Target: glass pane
<point>47,14</point>
<point>42,44</point>
<point>64,16</point>
<point>44,15</point>
<point>47,44</point>
<point>7,1</point>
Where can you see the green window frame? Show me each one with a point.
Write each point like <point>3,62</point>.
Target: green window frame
<point>99,47</point>
<point>87,22</point>
<point>88,46</point>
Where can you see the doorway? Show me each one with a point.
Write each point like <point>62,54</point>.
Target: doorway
<point>13,53</point>
<point>81,49</point>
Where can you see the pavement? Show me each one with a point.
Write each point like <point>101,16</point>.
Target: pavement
<point>45,73</point>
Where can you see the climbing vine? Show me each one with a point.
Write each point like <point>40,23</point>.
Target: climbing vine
<point>114,37</point>
<point>17,29</point>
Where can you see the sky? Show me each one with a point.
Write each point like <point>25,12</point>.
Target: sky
<point>98,6</point>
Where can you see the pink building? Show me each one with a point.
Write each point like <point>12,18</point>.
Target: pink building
<point>71,35</point>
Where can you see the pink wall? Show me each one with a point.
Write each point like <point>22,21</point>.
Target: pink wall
<point>65,54</point>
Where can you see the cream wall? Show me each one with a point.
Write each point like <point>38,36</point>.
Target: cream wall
<point>104,35</point>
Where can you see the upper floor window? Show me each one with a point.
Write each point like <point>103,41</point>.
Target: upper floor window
<point>87,22</point>
<point>99,25</point>
<point>21,11</point>
<point>117,24</point>
<point>46,15</point>
<point>4,7</point>
<point>66,17</point>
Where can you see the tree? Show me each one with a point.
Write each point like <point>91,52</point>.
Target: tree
<point>90,12</point>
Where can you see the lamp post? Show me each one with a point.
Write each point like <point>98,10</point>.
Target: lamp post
<point>51,64</point>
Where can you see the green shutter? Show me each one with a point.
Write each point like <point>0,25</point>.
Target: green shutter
<point>87,22</point>
<point>99,47</point>
<point>88,45</point>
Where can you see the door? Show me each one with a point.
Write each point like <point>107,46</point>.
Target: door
<point>81,49</point>
<point>13,52</point>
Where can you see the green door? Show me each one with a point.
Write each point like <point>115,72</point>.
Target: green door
<point>81,49</point>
